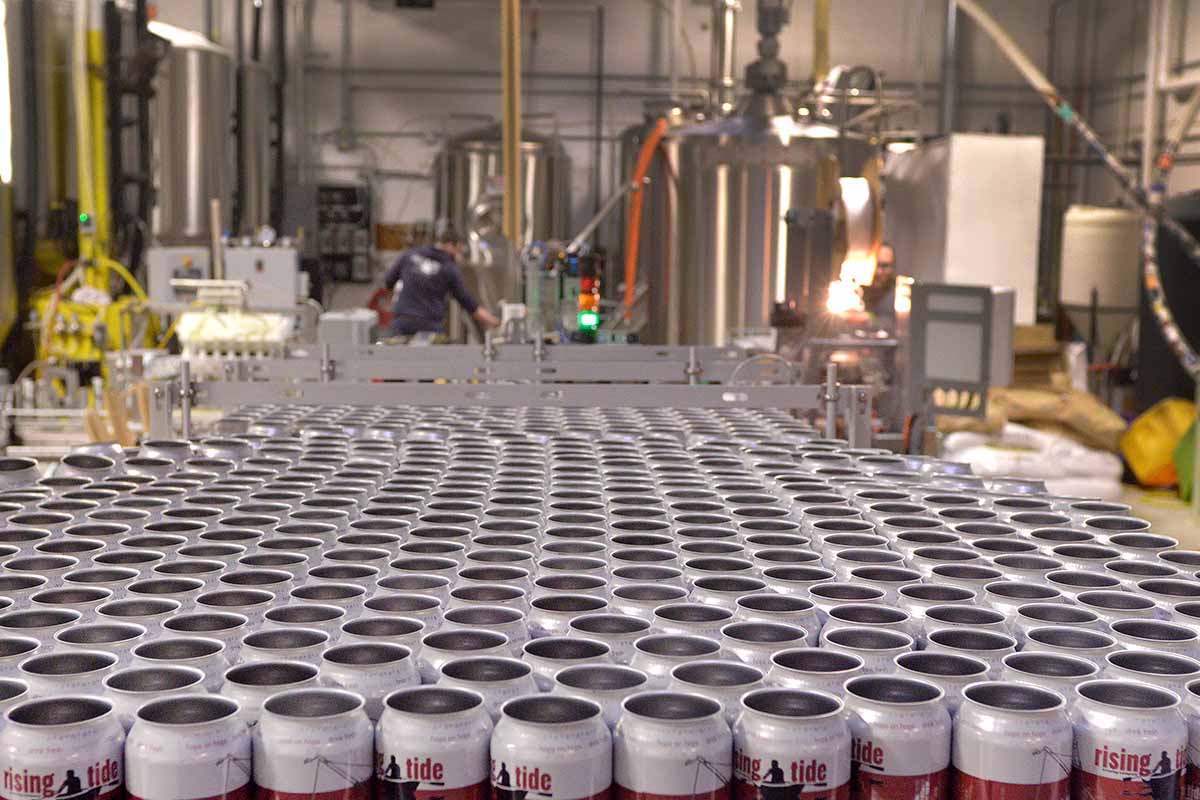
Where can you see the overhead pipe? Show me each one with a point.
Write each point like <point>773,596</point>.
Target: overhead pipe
<point>239,117</point>
<point>510,63</point>
<point>948,101</point>
<point>724,42</point>
<point>278,193</point>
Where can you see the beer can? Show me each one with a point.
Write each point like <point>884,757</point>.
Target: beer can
<point>604,684</point>
<point>618,631</point>
<point>658,654</point>
<point>68,672</point>
<point>877,648</point>
<point>1092,645</point>
<point>551,746</point>
<point>672,746</point>
<point>774,607</point>
<point>810,668</point>
<point>640,599</point>
<point>433,742</point>
<point>691,619</point>
<point>550,654</point>
<point>1130,740</point>
<point>509,621</point>
<point>1156,636</point>
<point>188,748</point>
<point>251,684</point>
<point>551,615</point>
<point>755,642</point>
<point>723,681</point>
<point>12,692</point>
<point>1054,671</point>
<point>1040,615</point>
<point>130,688</point>
<point>497,679</point>
<point>441,646</point>
<point>314,742</point>
<point>988,646</point>
<point>1164,670</point>
<point>901,738</point>
<point>285,644</point>
<point>373,670</point>
<point>791,743</point>
<point>950,672</point>
<point>71,746</point>
<point>397,630</point>
<point>206,655</point>
<point>1011,741</point>
<point>1191,712</point>
<point>919,597</point>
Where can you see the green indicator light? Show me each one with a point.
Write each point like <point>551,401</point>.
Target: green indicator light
<point>83,218</point>
<point>588,320</point>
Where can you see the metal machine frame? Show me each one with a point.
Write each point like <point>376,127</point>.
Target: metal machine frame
<point>515,375</point>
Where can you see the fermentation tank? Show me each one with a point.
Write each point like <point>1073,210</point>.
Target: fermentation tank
<point>193,138</point>
<point>469,167</point>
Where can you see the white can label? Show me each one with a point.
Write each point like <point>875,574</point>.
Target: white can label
<point>890,763</point>
<point>1107,769</point>
<point>700,770</point>
<point>449,762</point>
<point>223,775</point>
<point>1006,761</point>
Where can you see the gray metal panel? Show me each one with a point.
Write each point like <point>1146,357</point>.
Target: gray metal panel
<point>225,394</point>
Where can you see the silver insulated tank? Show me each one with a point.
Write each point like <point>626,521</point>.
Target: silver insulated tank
<point>193,140</point>
<point>469,168</point>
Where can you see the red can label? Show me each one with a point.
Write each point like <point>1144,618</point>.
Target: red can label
<point>359,791</point>
<point>790,779</point>
<point>720,793</point>
<point>99,781</point>
<point>418,778</point>
<point>871,785</point>
<point>968,787</point>
<point>744,790</point>
<point>244,792</point>
<point>1191,783</point>
<point>1089,786</point>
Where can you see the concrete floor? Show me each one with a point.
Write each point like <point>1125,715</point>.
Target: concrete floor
<point>1170,515</point>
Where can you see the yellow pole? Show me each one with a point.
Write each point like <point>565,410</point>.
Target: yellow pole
<point>510,68</point>
<point>821,26</point>
<point>102,221</point>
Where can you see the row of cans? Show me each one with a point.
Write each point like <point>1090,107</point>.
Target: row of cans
<point>891,739</point>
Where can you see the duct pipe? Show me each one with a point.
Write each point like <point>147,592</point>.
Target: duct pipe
<point>822,10</point>
<point>510,63</point>
<point>724,30</point>
<point>949,98</point>
<point>346,135</point>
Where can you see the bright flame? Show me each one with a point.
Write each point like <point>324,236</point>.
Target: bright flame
<point>844,297</point>
<point>859,270</point>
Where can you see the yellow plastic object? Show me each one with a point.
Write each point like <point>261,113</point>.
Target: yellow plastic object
<point>73,338</point>
<point>1149,444</point>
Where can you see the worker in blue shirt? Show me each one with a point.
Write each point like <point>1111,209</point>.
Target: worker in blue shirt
<point>421,279</point>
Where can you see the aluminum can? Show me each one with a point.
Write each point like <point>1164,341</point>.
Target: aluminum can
<point>373,670</point>
<point>131,688</point>
<point>901,739</point>
<point>285,644</point>
<point>67,672</point>
<point>810,668</point>
<point>950,672</point>
<point>656,655</point>
<point>618,631</point>
<point>1054,671</point>
<point>433,742</point>
<point>604,684</point>
<point>1191,711</point>
<point>495,678</point>
<point>755,642</point>
<point>876,648</point>
<point>1012,742</point>
<point>317,743</point>
<point>252,684</point>
<point>441,646</point>
<point>1130,740</point>
<point>206,655</point>
<point>551,746</point>
<point>791,743</point>
<point>672,746</point>
<point>71,746</point>
<point>550,654</point>
<point>640,599</point>
<point>188,748</point>
<point>723,681</point>
<point>12,692</point>
<point>1164,670</point>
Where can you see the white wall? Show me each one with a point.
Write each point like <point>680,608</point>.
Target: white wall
<point>901,37</point>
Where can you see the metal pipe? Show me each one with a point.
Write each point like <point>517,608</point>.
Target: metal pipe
<point>724,43</point>
<point>831,399</point>
<point>822,10</point>
<point>346,139</point>
<point>949,89</point>
<point>239,116</point>
<point>597,149</point>
<point>1155,42</point>
<point>673,45</point>
<point>510,61</point>
<point>279,190</point>
<point>210,20</point>
<point>218,251</point>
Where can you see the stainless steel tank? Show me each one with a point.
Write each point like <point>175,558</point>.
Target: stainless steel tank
<point>193,140</point>
<point>470,165</point>
<point>256,138</point>
<point>737,218</point>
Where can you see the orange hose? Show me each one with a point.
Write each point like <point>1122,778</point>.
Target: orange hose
<point>633,229</point>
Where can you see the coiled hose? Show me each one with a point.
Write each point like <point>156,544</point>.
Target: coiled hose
<point>1149,202</point>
